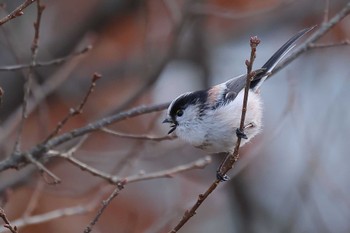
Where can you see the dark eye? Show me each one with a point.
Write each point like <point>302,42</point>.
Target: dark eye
<point>179,113</point>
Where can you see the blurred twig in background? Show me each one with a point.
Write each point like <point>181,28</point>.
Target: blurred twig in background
<point>135,43</point>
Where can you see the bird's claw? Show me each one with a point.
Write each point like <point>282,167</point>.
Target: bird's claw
<point>222,177</point>
<point>241,134</point>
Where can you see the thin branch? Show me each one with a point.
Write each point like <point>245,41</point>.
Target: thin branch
<point>323,29</point>
<point>8,225</point>
<point>77,110</point>
<point>39,95</point>
<point>17,159</point>
<point>16,12</point>
<point>34,199</point>
<point>43,170</point>
<point>51,215</point>
<point>105,203</point>
<point>27,84</point>
<point>231,158</point>
<point>138,137</point>
<point>168,173</point>
<point>84,167</point>
<point>329,45</point>
<point>200,163</point>
<point>56,61</point>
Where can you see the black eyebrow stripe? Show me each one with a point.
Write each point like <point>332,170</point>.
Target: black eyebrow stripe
<point>197,97</point>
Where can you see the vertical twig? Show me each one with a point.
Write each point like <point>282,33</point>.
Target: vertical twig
<point>34,50</point>
<point>231,158</point>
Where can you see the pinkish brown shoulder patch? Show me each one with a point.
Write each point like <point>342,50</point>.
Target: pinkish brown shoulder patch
<point>213,94</point>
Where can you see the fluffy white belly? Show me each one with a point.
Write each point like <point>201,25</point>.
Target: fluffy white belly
<point>216,132</point>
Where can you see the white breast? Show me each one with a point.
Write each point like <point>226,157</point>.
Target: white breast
<point>216,132</point>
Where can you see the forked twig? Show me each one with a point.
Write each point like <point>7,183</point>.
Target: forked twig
<point>77,110</point>
<point>43,170</point>
<point>200,163</point>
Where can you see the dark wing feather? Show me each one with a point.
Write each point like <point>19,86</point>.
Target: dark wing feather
<point>276,57</point>
<point>235,85</point>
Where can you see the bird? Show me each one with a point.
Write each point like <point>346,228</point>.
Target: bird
<point>209,119</point>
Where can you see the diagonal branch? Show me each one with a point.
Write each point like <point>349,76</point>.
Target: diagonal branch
<point>16,12</point>
<point>77,110</point>
<point>8,225</point>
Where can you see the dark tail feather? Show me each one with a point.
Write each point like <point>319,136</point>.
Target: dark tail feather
<point>276,58</point>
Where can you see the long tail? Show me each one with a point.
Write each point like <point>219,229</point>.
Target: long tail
<point>276,58</point>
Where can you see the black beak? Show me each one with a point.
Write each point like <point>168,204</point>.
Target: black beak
<point>172,126</point>
<point>167,120</point>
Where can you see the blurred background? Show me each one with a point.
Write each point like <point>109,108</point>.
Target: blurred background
<point>293,177</point>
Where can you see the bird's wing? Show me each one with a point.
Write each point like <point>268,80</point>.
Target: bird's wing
<point>235,85</point>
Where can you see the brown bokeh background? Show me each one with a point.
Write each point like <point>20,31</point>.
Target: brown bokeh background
<point>293,177</point>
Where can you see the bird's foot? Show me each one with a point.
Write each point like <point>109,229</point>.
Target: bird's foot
<point>241,134</point>
<point>221,177</point>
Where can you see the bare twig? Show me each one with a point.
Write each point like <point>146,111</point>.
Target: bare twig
<point>56,61</point>
<point>77,110</point>
<point>329,45</point>
<point>51,215</point>
<point>306,46</point>
<point>27,84</point>
<point>105,203</point>
<point>34,199</point>
<point>43,170</point>
<point>18,159</point>
<point>16,12</point>
<point>200,163</point>
<point>7,225</point>
<point>39,95</point>
<point>231,158</point>
<point>133,154</point>
<point>138,137</point>
<point>323,29</point>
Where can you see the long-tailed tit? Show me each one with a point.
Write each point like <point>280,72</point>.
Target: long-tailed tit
<point>209,119</point>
